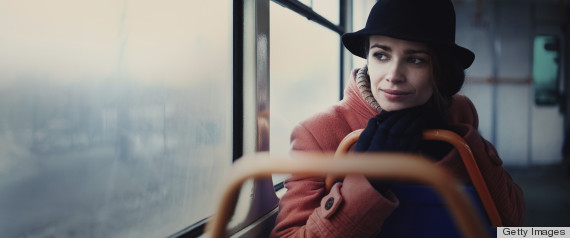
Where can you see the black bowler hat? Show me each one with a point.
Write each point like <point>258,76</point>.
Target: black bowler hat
<point>427,21</point>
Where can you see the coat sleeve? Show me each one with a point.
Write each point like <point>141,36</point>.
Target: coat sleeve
<point>353,208</point>
<point>506,194</point>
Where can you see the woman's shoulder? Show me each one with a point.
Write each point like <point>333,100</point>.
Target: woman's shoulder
<point>462,111</point>
<point>323,131</point>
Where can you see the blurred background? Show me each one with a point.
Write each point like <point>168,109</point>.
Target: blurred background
<point>120,118</point>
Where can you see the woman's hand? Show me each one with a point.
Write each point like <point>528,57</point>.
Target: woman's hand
<point>398,131</point>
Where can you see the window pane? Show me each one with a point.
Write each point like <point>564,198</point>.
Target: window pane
<point>304,72</point>
<point>546,69</point>
<point>328,9</point>
<point>112,122</point>
<point>360,11</point>
<point>307,3</point>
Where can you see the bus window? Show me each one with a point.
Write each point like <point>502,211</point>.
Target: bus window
<point>301,83</point>
<point>115,116</point>
<point>328,9</point>
<point>546,64</point>
<point>360,11</point>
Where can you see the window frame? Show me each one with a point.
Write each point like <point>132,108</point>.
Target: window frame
<point>251,97</point>
<point>345,25</point>
<point>345,13</point>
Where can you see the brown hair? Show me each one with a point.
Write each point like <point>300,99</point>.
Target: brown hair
<point>448,76</point>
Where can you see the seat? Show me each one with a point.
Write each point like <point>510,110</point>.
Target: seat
<point>405,167</point>
<point>420,207</point>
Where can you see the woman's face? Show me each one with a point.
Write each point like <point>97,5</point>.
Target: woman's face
<point>400,72</point>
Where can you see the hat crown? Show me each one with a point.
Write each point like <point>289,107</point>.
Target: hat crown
<point>430,21</point>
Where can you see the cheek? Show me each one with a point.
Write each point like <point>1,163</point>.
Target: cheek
<point>426,90</point>
<point>374,81</point>
<point>373,75</point>
<point>426,96</point>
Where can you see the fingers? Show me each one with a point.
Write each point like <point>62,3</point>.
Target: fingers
<point>366,136</point>
<point>397,130</point>
<point>403,122</point>
<point>419,122</point>
<point>390,119</point>
<point>410,123</point>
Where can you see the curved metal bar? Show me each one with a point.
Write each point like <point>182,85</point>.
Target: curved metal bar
<point>341,150</point>
<point>395,166</point>
<point>472,169</point>
<point>466,156</point>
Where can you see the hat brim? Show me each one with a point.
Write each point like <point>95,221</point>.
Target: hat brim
<point>354,42</point>
<point>465,56</point>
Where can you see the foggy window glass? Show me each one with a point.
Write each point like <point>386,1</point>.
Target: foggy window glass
<point>329,9</point>
<point>115,116</point>
<point>308,3</point>
<point>360,11</point>
<point>304,73</point>
<point>546,64</point>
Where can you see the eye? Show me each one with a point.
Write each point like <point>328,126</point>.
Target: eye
<point>416,60</point>
<point>381,56</point>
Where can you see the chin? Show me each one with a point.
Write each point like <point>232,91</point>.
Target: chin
<point>394,106</point>
<point>390,108</point>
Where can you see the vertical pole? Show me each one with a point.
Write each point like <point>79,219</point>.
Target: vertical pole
<point>257,198</point>
<point>345,55</point>
<point>237,87</point>
<point>496,43</point>
<point>256,76</point>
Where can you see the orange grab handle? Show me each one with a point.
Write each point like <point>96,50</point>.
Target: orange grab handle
<point>465,153</point>
<point>406,167</point>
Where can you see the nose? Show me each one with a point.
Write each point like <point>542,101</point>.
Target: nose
<point>395,74</point>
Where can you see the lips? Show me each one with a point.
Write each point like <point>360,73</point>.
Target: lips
<point>394,94</point>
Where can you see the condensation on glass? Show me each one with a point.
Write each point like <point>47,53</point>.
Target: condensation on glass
<point>304,73</point>
<point>115,116</point>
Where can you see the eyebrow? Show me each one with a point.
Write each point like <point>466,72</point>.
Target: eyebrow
<point>406,51</point>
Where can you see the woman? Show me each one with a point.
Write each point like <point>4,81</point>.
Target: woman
<point>414,70</point>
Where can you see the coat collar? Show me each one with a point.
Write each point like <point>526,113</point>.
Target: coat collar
<point>355,100</point>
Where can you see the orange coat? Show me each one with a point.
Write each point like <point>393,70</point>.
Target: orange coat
<point>353,208</point>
